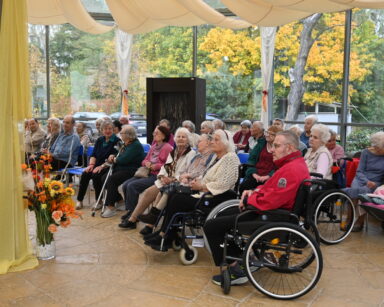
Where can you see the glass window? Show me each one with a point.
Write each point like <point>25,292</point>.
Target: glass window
<point>229,60</point>
<point>38,76</point>
<point>217,4</point>
<point>367,82</point>
<point>96,6</point>
<point>358,138</point>
<point>83,72</point>
<point>166,52</point>
<point>322,71</point>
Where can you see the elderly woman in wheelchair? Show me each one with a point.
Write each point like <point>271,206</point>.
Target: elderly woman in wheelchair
<point>279,258</point>
<point>218,180</point>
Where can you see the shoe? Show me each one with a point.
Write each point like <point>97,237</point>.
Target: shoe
<point>237,276</point>
<point>79,205</point>
<point>151,217</point>
<point>126,216</point>
<point>357,228</point>
<point>150,235</point>
<point>98,207</point>
<point>159,243</point>
<point>146,230</point>
<point>126,224</point>
<point>108,212</point>
<point>120,206</point>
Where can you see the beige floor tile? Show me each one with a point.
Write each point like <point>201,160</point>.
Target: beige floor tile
<point>136,298</point>
<point>36,301</point>
<point>206,299</point>
<point>99,264</point>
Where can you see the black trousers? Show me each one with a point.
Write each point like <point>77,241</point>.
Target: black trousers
<point>185,203</point>
<point>215,230</point>
<point>97,183</point>
<point>113,183</point>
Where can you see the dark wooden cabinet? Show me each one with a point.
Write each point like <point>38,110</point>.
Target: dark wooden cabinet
<point>175,99</point>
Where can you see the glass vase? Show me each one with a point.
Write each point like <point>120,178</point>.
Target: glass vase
<point>45,244</point>
<point>46,251</point>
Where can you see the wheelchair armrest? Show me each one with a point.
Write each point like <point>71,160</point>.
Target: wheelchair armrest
<point>202,198</point>
<point>318,175</point>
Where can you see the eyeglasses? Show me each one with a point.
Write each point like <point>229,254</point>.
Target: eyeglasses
<point>266,133</point>
<point>274,145</point>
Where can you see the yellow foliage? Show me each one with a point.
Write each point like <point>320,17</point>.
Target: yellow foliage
<point>324,64</point>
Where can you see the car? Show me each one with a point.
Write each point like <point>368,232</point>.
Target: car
<point>138,121</point>
<point>211,116</point>
<point>89,115</point>
<point>140,126</point>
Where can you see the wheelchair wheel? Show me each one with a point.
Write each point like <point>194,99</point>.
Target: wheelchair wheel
<point>225,208</point>
<point>226,281</point>
<point>334,216</point>
<point>190,257</point>
<point>176,244</point>
<point>282,261</point>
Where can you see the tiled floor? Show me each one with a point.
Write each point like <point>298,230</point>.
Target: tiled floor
<point>99,264</point>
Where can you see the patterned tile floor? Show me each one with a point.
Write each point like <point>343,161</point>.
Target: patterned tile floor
<point>99,264</point>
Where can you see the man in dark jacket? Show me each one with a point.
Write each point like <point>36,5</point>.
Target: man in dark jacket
<point>278,192</point>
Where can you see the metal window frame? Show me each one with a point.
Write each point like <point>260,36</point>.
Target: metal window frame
<point>346,64</point>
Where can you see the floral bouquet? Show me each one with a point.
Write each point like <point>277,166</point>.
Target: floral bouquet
<point>49,199</point>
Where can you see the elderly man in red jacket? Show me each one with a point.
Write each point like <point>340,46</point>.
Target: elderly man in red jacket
<point>279,192</point>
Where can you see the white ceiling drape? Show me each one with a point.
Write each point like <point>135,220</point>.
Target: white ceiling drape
<point>140,16</point>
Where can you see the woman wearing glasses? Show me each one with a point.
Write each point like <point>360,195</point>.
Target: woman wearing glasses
<point>261,161</point>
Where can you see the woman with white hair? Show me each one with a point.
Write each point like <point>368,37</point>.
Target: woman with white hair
<point>207,127</point>
<point>241,137</point>
<point>104,147</point>
<point>53,130</point>
<point>218,179</point>
<point>318,157</point>
<point>370,173</point>
<point>177,162</point>
<point>125,165</point>
<point>191,127</point>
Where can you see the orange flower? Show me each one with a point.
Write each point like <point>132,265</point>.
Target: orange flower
<point>42,197</point>
<point>65,223</point>
<point>24,166</point>
<point>57,215</point>
<point>40,184</point>
<point>53,205</point>
<point>52,228</point>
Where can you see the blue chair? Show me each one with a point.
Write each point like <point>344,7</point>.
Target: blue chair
<point>146,147</point>
<point>78,171</point>
<point>243,157</point>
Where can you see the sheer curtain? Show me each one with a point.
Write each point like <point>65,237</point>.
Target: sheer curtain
<point>15,251</point>
<point>268,35</point>
<point>123,53</point>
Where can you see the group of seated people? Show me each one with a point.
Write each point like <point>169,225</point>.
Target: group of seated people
<point>179,168</point>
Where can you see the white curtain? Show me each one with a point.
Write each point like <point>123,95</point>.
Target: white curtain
<point>268,35</point>
<point>124,43</point>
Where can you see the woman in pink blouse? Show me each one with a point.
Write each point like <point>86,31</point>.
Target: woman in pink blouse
<point>154,160</point>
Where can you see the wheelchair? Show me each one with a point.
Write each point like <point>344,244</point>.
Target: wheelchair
<point>280,250</point>
<point>334,213</point>
<point>188,226</point>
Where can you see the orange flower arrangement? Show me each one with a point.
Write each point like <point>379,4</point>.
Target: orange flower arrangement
<point>51,202</point>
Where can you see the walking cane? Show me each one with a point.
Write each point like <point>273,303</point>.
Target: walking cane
<point>105,182</point>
